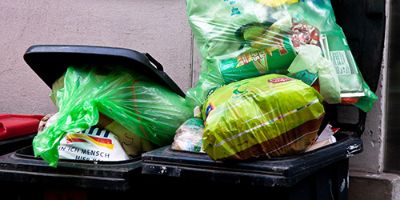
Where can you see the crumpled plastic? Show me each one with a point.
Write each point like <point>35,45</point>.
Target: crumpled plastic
<point>140,105</point>
<point>244,39</point>
<point>310,58</point>
<point>267,116</point>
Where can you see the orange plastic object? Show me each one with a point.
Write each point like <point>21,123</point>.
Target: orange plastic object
<point>349,100</point>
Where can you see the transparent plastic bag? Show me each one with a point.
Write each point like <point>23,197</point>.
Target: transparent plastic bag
<point>189,136</point>
<point>133,144</point>
<point>242,39</point>
<point>268,116</point>
<point>141,106</point>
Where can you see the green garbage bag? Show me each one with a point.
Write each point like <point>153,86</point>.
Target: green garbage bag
<point>268,116</point>
<point>137,103</point>
<point>244,39</point>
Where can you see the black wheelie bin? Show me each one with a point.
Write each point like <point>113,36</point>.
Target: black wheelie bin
<point>27,177</point>
<point>321,174</point>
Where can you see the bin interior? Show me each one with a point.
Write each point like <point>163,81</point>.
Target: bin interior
<point>22,167</point>
<point>12,144</point>
<point>17,131</point>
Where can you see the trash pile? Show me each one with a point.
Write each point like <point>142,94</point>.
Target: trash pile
<point>244,39</point>
<point>140,113</point>
<point>268,69</point>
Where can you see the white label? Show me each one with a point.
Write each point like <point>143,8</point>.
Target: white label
<point>93,144</point>
<point>343,62</point>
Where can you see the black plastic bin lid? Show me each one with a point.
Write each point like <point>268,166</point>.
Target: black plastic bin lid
<point>50,62</point>
<point>279,172</point>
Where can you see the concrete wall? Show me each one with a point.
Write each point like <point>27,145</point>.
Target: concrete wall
<point>372,158</point>
<point>368,177</point>
<point>157,26</point>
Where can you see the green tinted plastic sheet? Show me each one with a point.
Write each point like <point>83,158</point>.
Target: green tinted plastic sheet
<point>243,115</point>
<point>310,58</point>
<point>140,105</point>
<point>241,39</point>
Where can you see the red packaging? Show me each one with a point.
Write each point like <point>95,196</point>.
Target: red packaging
<point>18,125</point>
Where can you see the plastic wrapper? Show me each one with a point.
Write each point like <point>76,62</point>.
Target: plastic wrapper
<point>143,107</point>
<point>310,61</point>
<point>244,39</point>
<point>268,116</point>
<point>133,144</point>
<point>189,136</point>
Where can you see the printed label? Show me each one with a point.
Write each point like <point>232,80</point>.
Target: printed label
<point>279,80</point>
<point>92,144</point>
<point>343,62</point>
<point>247,58</point>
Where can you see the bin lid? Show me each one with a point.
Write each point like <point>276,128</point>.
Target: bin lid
<point>279,172</point>
<point>50,62</point>
<point>12,125</point>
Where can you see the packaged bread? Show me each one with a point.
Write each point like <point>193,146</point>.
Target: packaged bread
<point>268,116</point>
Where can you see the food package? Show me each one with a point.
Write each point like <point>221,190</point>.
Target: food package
<point>93,144</point>
<point>141,106</point>
<point>189,136</point>
<point>268,116</point>
<point>244,39</point>
<point>132,143</point>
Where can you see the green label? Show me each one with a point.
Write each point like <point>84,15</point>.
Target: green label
<point>251,64</point>
<point>305,76</point>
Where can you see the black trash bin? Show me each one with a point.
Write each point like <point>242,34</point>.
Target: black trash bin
<point>321,174</point>
<point>23,174</point>
<point>17,131</point>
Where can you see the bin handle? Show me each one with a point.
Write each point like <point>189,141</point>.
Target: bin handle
<point>154,62</point>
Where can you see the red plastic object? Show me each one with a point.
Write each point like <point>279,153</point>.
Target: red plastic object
<point>349,100</point>
<point>18,125</point>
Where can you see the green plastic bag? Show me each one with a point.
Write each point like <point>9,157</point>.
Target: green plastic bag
<point>138,104</point>
<point>271,115</point>
<point>242,39</point>
<point>310,59</point>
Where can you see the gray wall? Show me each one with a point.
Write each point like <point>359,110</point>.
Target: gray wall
<point>371,160</point>
<point>157,26</point>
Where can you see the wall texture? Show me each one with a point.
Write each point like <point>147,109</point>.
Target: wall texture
<point>371,160</point>
<point>157,26</point>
